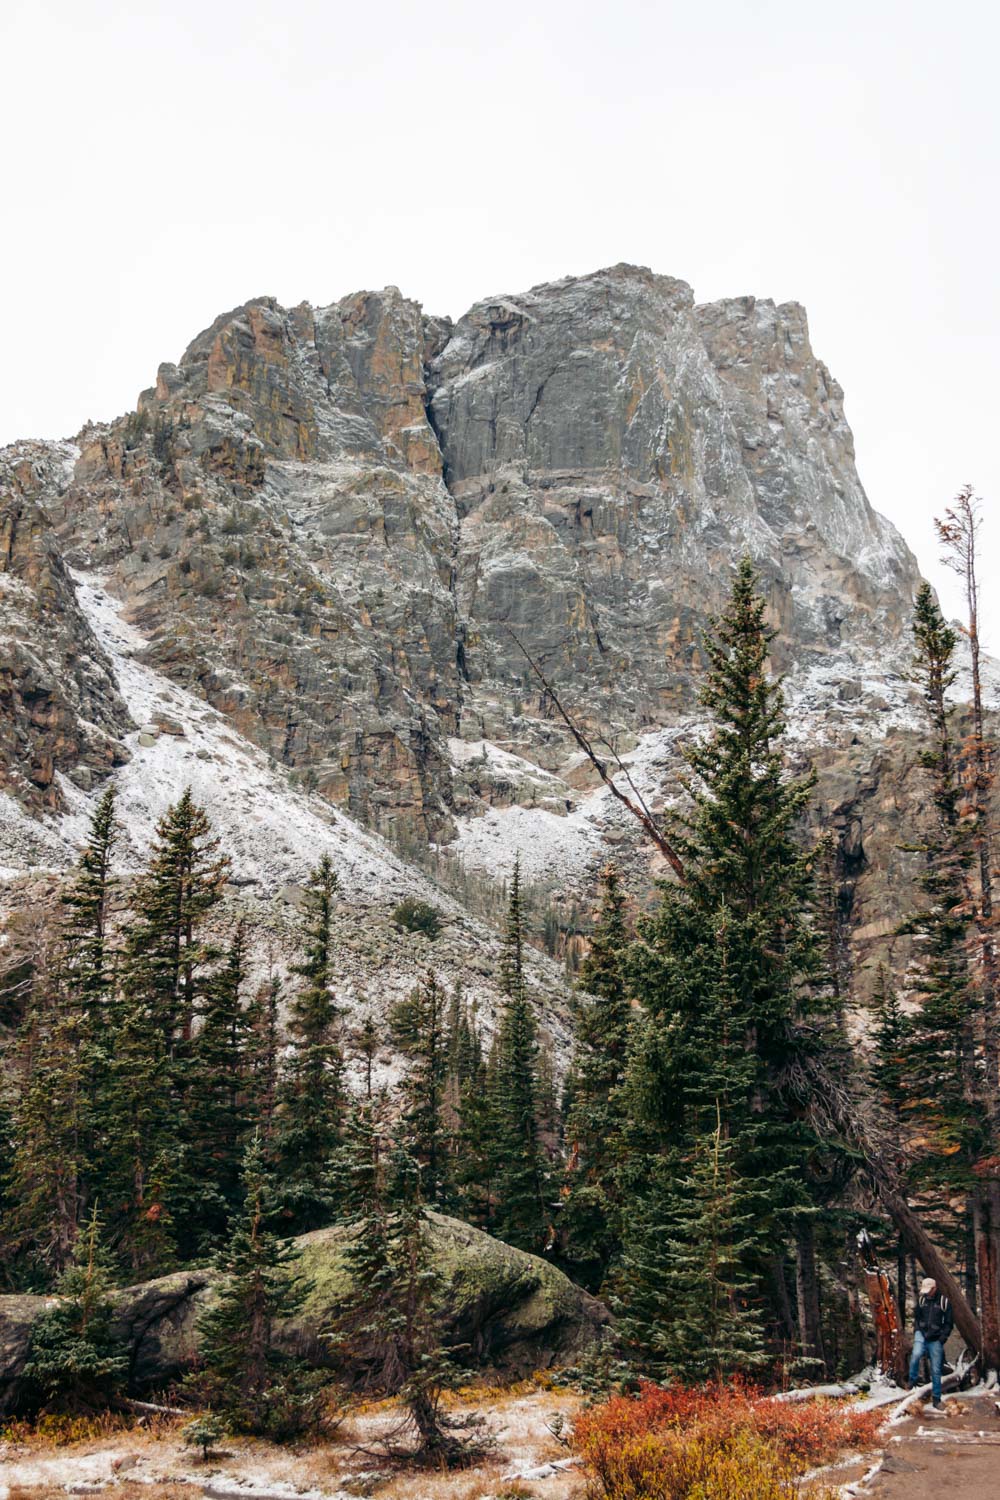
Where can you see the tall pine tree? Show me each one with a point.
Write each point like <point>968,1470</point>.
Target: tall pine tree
<point>309,1115</point>
<point>167,973</point>
<point>729,969</point>
<point>423,1092</point>
<point>590,1218</point>
<point>519,1213</point>
<point>220,1099</point>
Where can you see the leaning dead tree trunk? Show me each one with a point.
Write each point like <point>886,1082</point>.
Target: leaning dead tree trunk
<point>638,809</point>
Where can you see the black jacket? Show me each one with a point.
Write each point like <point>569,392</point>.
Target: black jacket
<point>933,1317</point>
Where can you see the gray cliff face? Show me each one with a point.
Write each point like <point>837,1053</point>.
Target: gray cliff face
<point>612,449</point>
<point>333,525</point>
<point>60,710</point>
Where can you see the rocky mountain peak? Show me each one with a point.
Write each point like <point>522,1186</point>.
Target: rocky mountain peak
<point>336,526</point>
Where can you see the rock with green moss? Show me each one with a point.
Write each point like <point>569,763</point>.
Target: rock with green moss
<point>511,1312</point>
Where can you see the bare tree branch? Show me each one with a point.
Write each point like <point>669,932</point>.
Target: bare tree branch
<point>642,816</point>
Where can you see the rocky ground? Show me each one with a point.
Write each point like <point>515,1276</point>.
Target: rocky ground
<point>929,1457</point>
<point>528,1461</point>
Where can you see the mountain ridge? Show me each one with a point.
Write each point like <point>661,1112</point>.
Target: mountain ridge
<point>333,525</point>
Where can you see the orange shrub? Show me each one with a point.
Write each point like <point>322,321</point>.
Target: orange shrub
<point>681,1443</point>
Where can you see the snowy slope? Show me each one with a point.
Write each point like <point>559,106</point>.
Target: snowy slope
<point>274,834</point>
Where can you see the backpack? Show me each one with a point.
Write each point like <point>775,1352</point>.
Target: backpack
<point>935,1319</point>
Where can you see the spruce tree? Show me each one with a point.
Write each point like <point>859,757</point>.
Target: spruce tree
<point>219,1100</point>
<point>309,1115</point>
<point>519,1214</point>
<point>58,1118</point>
<point>88,910</point>
<point>729,969</point>
<point>48,1167</point>
<point>387,1334</point>
<point>958,533</point>
<point>264,1045</point>
<point>939,1089</point>
<point>423,1092</point>
<point>471,1089</point>
<point>244,1378</point>
<point>590,1218</point>
<point>167,959</point>
<point>689,1312</point>
<point>366,1043</point>
<point>75,1362</point>
<point>167,974</point>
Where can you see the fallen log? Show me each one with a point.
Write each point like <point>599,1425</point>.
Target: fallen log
<point>130,1404</point>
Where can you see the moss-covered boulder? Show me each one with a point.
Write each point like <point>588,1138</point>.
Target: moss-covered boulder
<point>512,1312</point>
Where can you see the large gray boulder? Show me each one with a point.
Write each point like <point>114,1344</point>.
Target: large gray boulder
<point>514,1312</point>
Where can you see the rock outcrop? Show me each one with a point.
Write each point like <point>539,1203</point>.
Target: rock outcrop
<point>511,1312</point>
<point>60,709</point>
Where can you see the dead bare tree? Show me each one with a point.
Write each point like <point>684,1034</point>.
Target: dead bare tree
<point>638,809</point>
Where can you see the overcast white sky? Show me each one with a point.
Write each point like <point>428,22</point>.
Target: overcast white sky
<point>162,162</point>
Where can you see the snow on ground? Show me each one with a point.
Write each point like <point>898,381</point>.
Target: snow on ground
<point>273,833</point>
<point>551,848</point>
<point>496,759</point>
<point>831,702</point>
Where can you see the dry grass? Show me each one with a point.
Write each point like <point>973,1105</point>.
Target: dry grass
<point>121,1492</point>
<point>70,1432</point>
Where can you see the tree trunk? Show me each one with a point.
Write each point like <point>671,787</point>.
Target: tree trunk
<point>917,1240</point>
<point>986,1222</point>
<point>971,1279</point>
<point>901,1281</point>
<point>807,1292</point>
<point>782,1301</point>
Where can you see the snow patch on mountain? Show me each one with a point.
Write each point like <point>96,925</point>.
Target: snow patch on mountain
<point>273,833</point>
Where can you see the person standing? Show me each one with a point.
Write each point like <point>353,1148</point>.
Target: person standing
<point>933,1321</point>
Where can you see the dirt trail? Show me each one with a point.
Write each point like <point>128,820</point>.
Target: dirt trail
<point>957,1455</point>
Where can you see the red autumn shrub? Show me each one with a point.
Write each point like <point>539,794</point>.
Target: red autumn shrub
<point>664,1443</point>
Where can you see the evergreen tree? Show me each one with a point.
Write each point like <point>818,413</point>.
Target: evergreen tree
<point>264,1045</point>
<point>244,1378</point>
<point>387,1333</point>
<point>87,903</point>
<point>689,1310</point>
<point>47,1167</point>
<point>590,1220</point>
<point>471,1089</point>
<point>729,969</point>
<point>366,1043</point>
<point>219,1100</point>
<point>889,1043</point>
<point>167,975</point>
<point>167,960</point>
<point>63,1065</point>
<point>519,1214</point>
<point>958,534</point>
<point>311,1094</point>
<point>423,1092</point>
<point>938,1088</point>
<point>74,1361</point>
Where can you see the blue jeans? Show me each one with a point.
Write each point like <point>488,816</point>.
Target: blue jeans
<point>934,1349</point>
